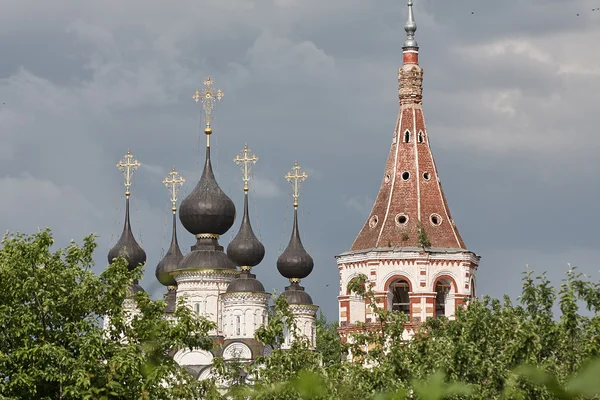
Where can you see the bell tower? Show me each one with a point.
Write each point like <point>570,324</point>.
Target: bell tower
<point>409,248</point>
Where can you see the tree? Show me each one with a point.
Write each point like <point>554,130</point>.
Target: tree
<point>52,345</point>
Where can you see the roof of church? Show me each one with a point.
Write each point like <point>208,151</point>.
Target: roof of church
<point>410,208</point>
<point>207,212</point>
<point>127,246</point>
<point>171,260</point>
<point>295,262</point>
<point>245,250</point>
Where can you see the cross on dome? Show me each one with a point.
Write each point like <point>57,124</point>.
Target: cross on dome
<point>209,99</point>
<point>245,160</point>
<point>295,177</point>
<point>127,165</point>
<point>173,182</point>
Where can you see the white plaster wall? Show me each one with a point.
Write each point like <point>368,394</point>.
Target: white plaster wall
<point>249,307</point>
<point>305,319</point>
<point>204,288</point>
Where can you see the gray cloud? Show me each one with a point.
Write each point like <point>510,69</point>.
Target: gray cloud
<point>510,102</point>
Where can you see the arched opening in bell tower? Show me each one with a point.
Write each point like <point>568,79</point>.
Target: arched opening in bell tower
<point>442,289</point>
<point>398,292</point>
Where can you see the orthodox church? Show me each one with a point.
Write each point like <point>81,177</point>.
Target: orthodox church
<point>409,248</point>
<point>215,283</point>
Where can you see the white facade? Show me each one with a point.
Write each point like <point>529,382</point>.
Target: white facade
<point>201,290</point>
<point>306,325</point>
<point>243,313</point>
<point>424,272</point>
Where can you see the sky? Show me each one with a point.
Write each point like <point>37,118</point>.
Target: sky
<point>510,101</point>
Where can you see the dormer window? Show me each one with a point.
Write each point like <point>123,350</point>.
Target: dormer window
<point>421,137</point>
<point>407,136</point>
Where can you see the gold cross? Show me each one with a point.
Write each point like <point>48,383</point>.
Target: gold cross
<point>173,182</point>
<point>245,160</point>
<point>295,179</point>
<point>127,165</point>
<point>208,98</point>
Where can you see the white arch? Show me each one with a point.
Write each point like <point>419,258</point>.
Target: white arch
<point>400,273</point>
<point>446,272</point>
<point>193,357</point>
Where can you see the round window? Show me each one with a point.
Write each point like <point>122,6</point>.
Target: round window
<point>426,176</point>
<point>373,221</point>
<point>405,175</point>
<point>401,219</point>
<point>387,178</point>
<point>436,219</point>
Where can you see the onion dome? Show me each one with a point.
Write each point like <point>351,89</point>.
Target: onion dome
<point>295,294</point>
<point>245,250</point>
<point>170,261</point>
<point>207,212</point>
<point>173,257</point>
<point>127,247</point>
<point>295,262</point>
<point>207,209</point>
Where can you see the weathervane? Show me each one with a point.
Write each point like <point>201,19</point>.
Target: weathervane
<point>127,165</point>
<point>295,177</point>
<point>173,182</point>
<point>209,100</point>
<point>245,160</point>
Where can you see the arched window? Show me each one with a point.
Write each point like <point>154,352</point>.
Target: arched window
<point>421,137</point>
<point>442,288</point>
<point>473,288</point>
<point>197,308</point>
<point>237,325</point>
<point>407,136</point>
<point>399,292</point>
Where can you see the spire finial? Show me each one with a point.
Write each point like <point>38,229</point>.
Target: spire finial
<point>295,177</point>
<point>127,165</point>
<point>209,99</point>
<point>173,182</point>
<point>245,160</point>
<point>410,27</point>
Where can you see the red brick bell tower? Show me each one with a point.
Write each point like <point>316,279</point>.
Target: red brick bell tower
<point>409,247</point>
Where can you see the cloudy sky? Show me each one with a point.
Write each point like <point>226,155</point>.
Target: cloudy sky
<point>510,97</point>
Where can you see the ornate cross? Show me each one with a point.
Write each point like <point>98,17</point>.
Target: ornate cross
<point>173,182</point>
<point>208,98</point>
<point>295,177</point>
<point>127,165</point>
<point>245,160</point>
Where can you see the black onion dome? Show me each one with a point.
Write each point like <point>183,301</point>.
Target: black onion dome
<point>207,209</point>
<point>127,246</point>
<point>170,261</point>
<point>246,283</point>
<point>295,262</point>
<point>295,294</point>
<point>245,249</point>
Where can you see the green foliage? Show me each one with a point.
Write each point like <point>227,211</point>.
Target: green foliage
<point>52,345</point>
<point>491,350</point>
